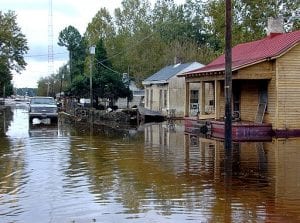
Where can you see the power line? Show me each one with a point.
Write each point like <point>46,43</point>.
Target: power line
<point>99,62</point>
<point>128,48</point>
<point>42,55</point>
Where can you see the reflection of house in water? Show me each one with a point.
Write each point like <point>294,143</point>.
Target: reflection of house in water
<point>164,135</point>
<point>265,175</point>
<point>284,166</point>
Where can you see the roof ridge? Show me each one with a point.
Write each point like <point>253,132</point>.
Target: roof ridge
<point>248,53</point>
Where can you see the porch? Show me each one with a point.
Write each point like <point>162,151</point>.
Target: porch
<point>241,130</point>
<point>249,108</point>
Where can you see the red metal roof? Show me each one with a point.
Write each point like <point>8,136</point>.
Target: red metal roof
<point>246,54</point>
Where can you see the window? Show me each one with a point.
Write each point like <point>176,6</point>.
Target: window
<point>194,96</point>
<point>40,100</point>
<point>151,98</point>
<point>160,99</point>
<point>165,98</point>
<point>147,97</point>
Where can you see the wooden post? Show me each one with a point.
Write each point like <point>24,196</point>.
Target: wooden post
<point>202,98</point>
<point>228,117</point>
<point>217,99</point>
<point>228,80</point>
<point>187,99</point>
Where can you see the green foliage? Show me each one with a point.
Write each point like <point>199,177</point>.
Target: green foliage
<point>79,87</point>
<point>8,90</point>
<point>56,83</point>
<point>101,26</point>
<point>70,38</point>
<point>106,82</point>
<point>249,20</point>
<point>140,39</point>
<point>13,46</point>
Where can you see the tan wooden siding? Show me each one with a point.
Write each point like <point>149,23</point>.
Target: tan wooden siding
<point>176,95</point>
<point>210,97</point>
<point>155,103</point>
<point>263,70</point>
<point>222,100</point>
<point>288,86</point>
<point>271,113</point>
<point>249,100</point>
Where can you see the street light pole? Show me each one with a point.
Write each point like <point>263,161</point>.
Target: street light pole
<point>92,52</point>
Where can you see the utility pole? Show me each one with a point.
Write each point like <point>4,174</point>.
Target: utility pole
<point>92,53</point>
<point>228,80</point>
<point>228,116</point>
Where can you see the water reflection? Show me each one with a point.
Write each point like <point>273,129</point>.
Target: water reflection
<point>6,116</point>
<point>11,166</point>
<point>39,130</point>
<point>154,173</point>
<point>259,182</point>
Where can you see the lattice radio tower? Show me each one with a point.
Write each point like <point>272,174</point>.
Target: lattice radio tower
<point>50,40</point>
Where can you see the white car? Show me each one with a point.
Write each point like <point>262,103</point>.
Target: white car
<point>43,108</point>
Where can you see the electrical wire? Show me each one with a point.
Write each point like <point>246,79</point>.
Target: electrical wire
<point>99,62</point>
<point>43,55</point>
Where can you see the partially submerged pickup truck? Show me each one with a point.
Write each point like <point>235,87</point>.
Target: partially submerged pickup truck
<point>43,108</point>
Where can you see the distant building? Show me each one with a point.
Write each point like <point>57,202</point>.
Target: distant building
<point>137,99</point>
<point>165,92</point>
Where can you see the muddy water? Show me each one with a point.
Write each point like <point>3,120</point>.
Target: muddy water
<point>155,173</point>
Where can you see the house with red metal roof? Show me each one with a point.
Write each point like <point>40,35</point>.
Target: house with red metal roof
<point>265,86</point>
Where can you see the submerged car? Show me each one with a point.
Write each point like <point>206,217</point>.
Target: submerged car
<point>43,108</point>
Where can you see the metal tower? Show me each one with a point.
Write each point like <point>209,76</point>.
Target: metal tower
<point>50,40</point>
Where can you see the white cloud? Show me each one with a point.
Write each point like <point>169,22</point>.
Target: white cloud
<point>34,71</point>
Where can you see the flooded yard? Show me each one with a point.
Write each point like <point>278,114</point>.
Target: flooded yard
<point>152,173</point>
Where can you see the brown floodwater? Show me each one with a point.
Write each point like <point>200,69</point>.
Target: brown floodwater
<point>153,173</point>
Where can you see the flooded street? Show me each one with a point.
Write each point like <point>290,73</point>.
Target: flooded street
<point>154,173</point>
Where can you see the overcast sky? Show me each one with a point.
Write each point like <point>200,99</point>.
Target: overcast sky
<point>32,17</point>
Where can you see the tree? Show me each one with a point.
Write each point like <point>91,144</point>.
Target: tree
<point>106,82</point>
<point>249,19</point>
<point>142,40</point>
<point>101,27</point>
<point>70,38</point>
<point>13,46</point>
<point>133,15</point>
<point>79,87</point>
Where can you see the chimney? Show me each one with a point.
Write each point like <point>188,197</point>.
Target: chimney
<point>275,26</point>
<point>177,60</point>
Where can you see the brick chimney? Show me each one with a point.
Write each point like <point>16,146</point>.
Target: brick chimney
<point>275,26</point>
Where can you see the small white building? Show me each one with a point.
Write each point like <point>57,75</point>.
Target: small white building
<point>137,99</point>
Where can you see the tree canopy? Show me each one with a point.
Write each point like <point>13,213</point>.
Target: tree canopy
<point>71,38</point>
<point>13,47</point>
<point>140,38</point>
<point>108,83</point>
